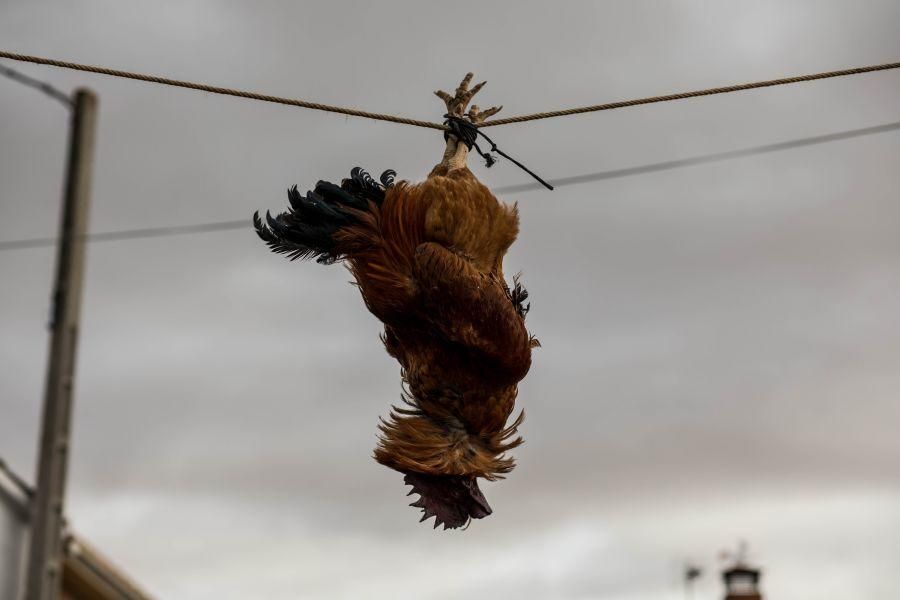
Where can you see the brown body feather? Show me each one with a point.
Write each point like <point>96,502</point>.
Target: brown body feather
<point>429,265</point>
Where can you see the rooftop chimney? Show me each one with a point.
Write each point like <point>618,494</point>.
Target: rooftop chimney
<point>741,580</point>
<point>741,583</point>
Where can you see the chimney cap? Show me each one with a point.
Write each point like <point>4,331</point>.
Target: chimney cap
<point>741,571</point>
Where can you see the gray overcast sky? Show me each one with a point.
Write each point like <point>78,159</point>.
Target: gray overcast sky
<point>721,342</point>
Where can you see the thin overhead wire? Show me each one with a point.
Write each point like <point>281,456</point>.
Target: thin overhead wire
<point>565,181</point>
<point>429,124</point>
<point>37,84</point>
<point>130,234</point>
<point>20,483</point>
<point>701,160</point>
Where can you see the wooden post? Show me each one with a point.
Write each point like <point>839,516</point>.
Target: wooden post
<point>44,574</point>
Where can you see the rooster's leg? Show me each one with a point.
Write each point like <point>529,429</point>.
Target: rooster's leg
<point>456,152</point>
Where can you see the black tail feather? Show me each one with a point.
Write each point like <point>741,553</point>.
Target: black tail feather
<point>518,295</point>
<point>361,184</point>
<point>307,228</point>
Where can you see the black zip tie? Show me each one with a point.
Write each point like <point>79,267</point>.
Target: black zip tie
<point>467,132</point>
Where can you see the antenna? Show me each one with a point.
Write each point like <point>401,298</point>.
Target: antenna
<point>738,556</point>
<point>692,572</point>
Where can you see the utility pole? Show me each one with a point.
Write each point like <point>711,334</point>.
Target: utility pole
<point>44,575</point>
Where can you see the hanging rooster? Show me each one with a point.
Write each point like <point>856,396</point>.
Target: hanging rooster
<point>428,259</point>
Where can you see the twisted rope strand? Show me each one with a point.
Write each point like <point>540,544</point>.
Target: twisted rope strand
<point>220,90</point>
<point>683,95</point>
<point>429,124</point>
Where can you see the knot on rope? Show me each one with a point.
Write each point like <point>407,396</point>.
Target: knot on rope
<point>467,132</point>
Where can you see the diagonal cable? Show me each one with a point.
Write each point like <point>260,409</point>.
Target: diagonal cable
<point>130,234</point>
<point>701,160</point>
<point>565,181</point>
<point>37,84</point>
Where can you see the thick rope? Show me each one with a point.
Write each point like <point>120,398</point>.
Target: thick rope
<point>683,95</point>
<point>428,124</point>
<point>220,90</point>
